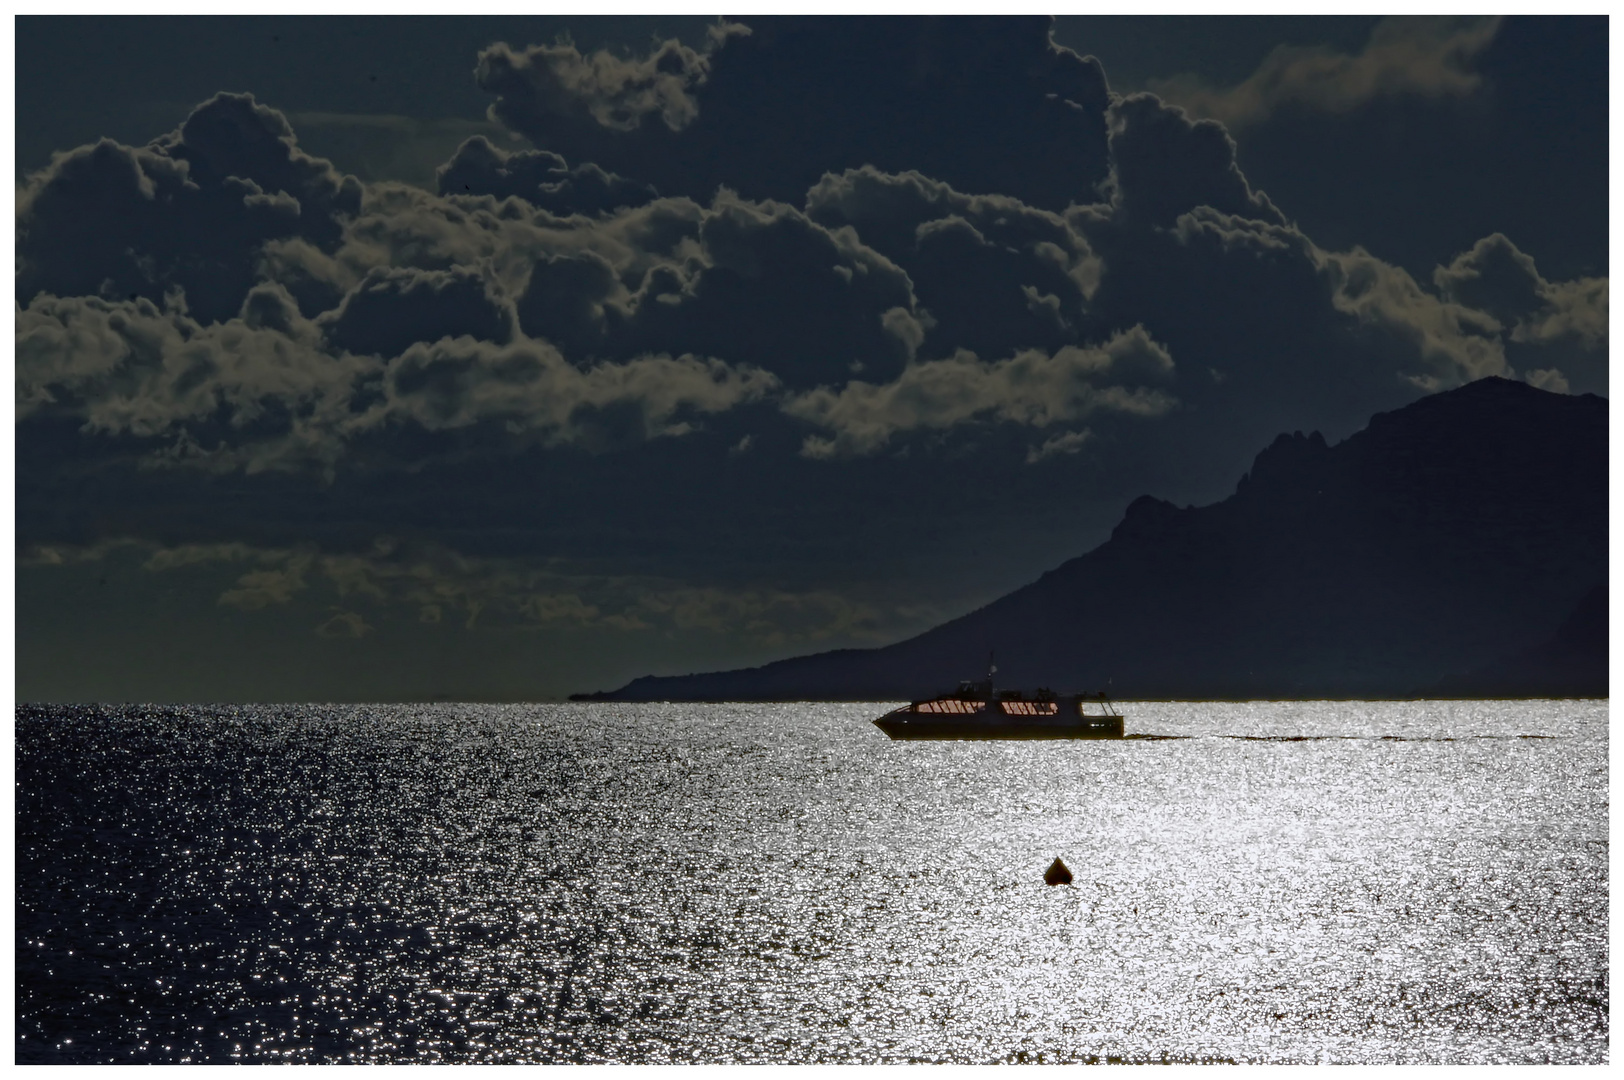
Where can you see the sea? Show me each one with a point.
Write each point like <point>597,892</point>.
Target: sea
<point>1363,882</point>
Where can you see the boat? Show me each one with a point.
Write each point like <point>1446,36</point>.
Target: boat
<point>978,710</point>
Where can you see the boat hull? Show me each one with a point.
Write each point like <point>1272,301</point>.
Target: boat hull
<point>904,724</point>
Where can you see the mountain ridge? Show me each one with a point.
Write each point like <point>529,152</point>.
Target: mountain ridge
<point>1424,553</point>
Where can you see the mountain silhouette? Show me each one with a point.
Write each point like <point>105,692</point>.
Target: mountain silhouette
<point>1572,663</point>
<point>1455,547</point>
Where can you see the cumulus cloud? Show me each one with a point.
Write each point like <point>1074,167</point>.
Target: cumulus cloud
<point>66,554</point>
<point>1499,279</point>
<point>389,146</point>
<point>548,82</point>
<point>1192,251</point>
<point>550,305</point>
<point>192,211</point>
<point>344,624</point>
<point>182,555</point>
<point>258,589</point>
<point>1163,165</point>
<point>1495,277</point>
<point>350,311</point>
<point>769,286</point>
<point>428,582</point>
<point>750,282</point>
<point>990,271</point>
<point>1406,56</point>
<point>264,391</point>
<point>540,177</point>
<point>1031,388</point>
<point>1574,311</point>
<point>428,579</point>
<point>1458,343</point>
<point>250,392</point>
<point>529,387</point>
<point>1067,442</point>
<point>393,308</point>
<point>1547,379</point>
<point>987,105</point>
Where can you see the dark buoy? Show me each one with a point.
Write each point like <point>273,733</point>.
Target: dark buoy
<point>1057,874</point>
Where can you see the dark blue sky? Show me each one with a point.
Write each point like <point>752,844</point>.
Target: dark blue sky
<point>444,367</point>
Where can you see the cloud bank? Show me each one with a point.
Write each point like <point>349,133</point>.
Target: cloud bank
<point>238,303</point>
<point>725,306</point>
<point>1429,57</point>
<point>1031,388</point>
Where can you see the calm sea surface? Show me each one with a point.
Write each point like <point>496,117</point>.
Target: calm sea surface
<point>1282,882</point>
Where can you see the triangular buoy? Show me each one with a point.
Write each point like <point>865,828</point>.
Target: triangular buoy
<point>1057,874</point>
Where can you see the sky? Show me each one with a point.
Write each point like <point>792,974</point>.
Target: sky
<point>371,358</point>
